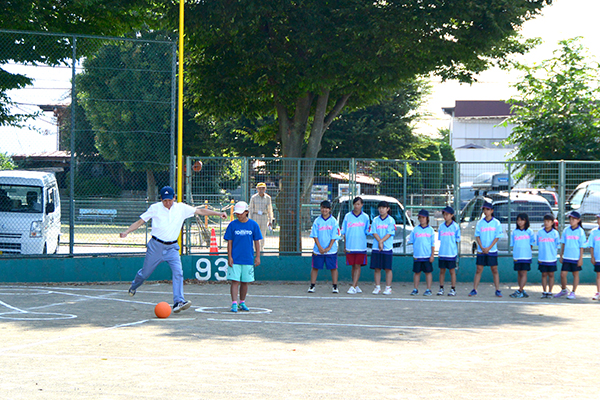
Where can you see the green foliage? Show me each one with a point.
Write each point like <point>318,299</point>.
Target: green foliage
<point>125,90</point>
<point>6,162</point>
<point>557,111</point>
<point>99,17</point>
<point>246,56</point>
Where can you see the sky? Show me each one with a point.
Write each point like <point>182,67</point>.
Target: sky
<point>564,19</point>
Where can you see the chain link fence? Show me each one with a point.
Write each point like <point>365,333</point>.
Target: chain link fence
<point>109,105</point>
<point>297,186</point>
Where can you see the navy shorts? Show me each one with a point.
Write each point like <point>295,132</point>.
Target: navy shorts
<point>597,267</point>
<point>487,260</point>
<point>422,266</point>
<point>447,264</point>
<point>522,266</point>
<point>570,266</point>
<point>328,260</point>
<point>381,259</point>
<point>547,267</point>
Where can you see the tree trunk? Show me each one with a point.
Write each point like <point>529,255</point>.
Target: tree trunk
<point>151,189</point>
<point>297,182</point>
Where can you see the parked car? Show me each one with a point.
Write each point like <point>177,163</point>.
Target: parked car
<point>29,212</point>
<point>535,207</point>
<point>585,199</point>
<point>549,195</point>
<point>404,226</point>
<point>466,193</point>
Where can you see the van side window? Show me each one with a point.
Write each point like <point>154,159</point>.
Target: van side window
<point>577,197</point>
<point>466,214</point>
<point>51,199</point>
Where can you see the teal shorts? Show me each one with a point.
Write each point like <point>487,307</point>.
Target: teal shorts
<point>241,273</point>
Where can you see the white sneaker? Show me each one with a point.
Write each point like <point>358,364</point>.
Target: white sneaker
<point>352,290</point>
<point>388,290</point>
<point>311,289</point>
<point>440,292</point>
<point>377,290</point>
<point>358,290</point>
<point>596,296</point>
<point>334,289</point>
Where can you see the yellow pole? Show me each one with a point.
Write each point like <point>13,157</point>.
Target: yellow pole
<point>180,114</point>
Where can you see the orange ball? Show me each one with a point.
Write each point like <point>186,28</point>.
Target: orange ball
<point>162,309</point>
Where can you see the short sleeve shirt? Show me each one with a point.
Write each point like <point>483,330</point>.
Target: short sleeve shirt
<point>574,240</point>
<point>325,230</point>
<point>167,223</point>
<point>487,231</point>
<point>593,243</point>
<point>423,239</point>
<point>242,236</point>
<point>355,229</point>
<point>449,236</point>
<point>522,240</point>
<point>384,227</point>
<point>548,244</point>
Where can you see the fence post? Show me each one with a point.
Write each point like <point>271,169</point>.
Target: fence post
<point>405,180</point>
<point>562,189</point>
<point>509,169</point>
<point>298,206</point>
<point>172,177</point>
<point>245,180</point>
<point>352,179</point>
<point>72,161</point>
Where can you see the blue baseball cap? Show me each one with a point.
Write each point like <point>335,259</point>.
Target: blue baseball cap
<point>423,213</point>
<point>487,205</point>
<point>167,193</point>
<point>448,210</point>
<point>574,214</point>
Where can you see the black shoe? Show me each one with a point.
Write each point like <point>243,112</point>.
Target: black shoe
<point>131,292</point>
<point>182,305</point>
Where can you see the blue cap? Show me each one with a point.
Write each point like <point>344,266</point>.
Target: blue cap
<point>487,205</point>
<point>423,213</point>
<point>448,210</point>
<point>167,193</point>
<point>574,214</point>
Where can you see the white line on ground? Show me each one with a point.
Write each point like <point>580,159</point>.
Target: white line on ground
<point>12,308</point>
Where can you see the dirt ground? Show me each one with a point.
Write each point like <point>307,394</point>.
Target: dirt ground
<point>95,342</point>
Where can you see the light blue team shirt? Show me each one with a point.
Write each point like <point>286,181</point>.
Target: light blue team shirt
<point>548,244</point>
<point>383,227</point>
<point>522,240</point>
<point>422,239</point>
<point>487,231</point>
<point>449,236</point>
<point>355,229</point>
<point>573,239</point>
<point>593,242</point>
<point>242,236</point>
<point>325,230</point>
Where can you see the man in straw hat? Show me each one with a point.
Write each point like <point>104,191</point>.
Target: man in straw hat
<point>261,210</point>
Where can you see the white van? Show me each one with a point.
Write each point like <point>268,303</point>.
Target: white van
<point>29,212</point>
<point>585,199</point>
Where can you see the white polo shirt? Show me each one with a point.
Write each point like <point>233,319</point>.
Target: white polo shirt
<point>167,223</point>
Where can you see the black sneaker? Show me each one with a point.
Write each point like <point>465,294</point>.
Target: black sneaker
<point>182,305</point>
<point>131,292</point>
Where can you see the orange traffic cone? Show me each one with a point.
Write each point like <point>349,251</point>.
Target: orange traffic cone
<point>214,250</point>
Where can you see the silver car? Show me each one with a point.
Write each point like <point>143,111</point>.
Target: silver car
<point>404,226</point>
<point>534,206</point>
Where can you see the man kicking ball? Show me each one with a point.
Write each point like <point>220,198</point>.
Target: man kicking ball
<point>167,219</point>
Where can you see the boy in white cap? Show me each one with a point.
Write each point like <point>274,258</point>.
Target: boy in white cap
<point>243,251</point>
<point>167,219</point>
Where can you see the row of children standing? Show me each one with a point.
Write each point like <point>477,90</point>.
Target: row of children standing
<point>356,228</point>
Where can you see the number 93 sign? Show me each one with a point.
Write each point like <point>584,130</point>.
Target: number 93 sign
<point>204,269</point>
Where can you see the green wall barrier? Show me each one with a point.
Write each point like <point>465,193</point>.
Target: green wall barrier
<point>214,268</point>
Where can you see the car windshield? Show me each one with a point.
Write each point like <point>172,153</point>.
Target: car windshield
<point>535,211</point>
<point>370,208</point>
<point>466,194</point>
<point>20,199</point>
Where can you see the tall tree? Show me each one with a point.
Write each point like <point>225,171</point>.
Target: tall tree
<point>125,90</point>
<point>557,113</point>
<point>98,17</point>
<point>306,61</point>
